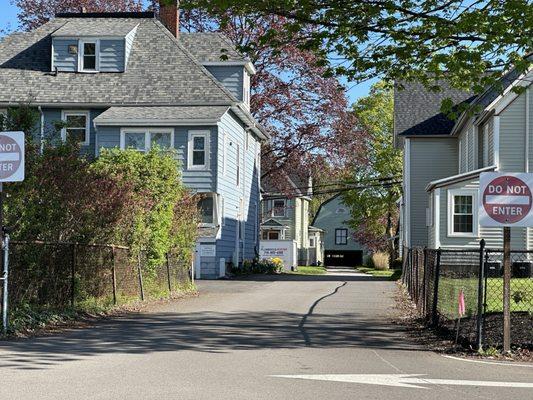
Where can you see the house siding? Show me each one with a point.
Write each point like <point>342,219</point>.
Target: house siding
<point>200,180</point>
<point>230,76</point>
<point>63,61</point>
<point>512,136</point>
<point>248,190</point>
<point>112,55</point>
<point>328,219</point>
<point>53,136</point>
<point>430,159</point>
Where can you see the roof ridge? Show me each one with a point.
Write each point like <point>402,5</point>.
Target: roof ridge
<point>195,61</point>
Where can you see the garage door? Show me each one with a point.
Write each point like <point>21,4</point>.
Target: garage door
<point>350,258</point>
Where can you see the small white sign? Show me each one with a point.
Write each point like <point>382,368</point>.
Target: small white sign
<point>11,156</point>
<point>208,250</point>
<point>505,199</point>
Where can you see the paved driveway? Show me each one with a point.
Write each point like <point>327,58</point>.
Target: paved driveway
<point>288,337</point>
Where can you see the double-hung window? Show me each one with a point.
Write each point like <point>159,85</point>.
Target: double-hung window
<point>341,236</point>
<point>206,208</point>
<point>462,220</point>
<point>89,50</point>
<point>143,139</point>
<point>278,209</point>
<point>198,150</point>
<point>76,126</point>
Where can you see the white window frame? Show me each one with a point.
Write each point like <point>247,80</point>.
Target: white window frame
<point>238,171</point>
<point>341,244</point>
<point>312,242</point>
<point>206,135</point>
<point>225,152</point>
<point>147,136</point>
<point>475,224</point>
<point>81,51</point>
<point>77,113</point>
<point>221,213</point>
<point>273,212</point>
<point>216,213</point>
<point>246,89</point>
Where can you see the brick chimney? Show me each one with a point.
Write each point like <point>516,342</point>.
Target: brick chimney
<point>169,15</point>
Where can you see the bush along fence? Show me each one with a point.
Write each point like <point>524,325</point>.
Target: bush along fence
<point>62,275</point>
<point>461,292</point>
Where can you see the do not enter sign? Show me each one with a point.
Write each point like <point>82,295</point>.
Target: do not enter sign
<point>11,156</point>
<point>505,199</point>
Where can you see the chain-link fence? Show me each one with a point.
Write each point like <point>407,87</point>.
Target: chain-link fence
<point>61,275</point>
<point>451,293</point>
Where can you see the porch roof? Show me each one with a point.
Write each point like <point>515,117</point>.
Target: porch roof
<point>272,223</point>
<point>457,178</point>
<point>161,115</point>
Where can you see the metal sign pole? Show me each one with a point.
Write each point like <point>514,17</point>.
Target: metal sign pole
<point>4,263</point>
<point>6,272</point>
<point>506,289</point>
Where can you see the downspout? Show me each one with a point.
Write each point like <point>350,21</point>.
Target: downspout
<point>41,134</point>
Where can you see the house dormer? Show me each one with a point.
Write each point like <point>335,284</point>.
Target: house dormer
<point>98,46</point>
<point>220,57</point>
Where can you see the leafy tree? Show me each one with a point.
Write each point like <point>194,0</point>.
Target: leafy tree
<point>398,39</point>
<point>306,112</point>
<point>374,209</point>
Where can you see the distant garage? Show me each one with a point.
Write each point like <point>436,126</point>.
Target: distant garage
<point>340,245</point>
<point>347,258</point>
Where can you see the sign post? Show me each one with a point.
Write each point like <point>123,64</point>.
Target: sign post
<point>505,200</point>
<point>11,170</point>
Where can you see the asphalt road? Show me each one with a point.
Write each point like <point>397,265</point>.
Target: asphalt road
<point>320,337</point>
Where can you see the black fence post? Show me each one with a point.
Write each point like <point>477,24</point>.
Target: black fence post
<point>480,296</point>
<point>434,310</point>
<point>168,276</point>
<point>73,275</point>
<point>114,275</point>
<point>139,270</point>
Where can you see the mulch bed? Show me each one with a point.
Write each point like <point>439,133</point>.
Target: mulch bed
<point>442,340</point>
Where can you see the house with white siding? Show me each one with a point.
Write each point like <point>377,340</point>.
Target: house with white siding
<point>132,80</point>
<point>443,159</point>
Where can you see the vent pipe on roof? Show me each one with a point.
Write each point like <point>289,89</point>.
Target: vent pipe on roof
<point>83,10</point>
<point>169,15</point>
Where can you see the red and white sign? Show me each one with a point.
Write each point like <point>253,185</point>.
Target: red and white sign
<point>505,199</point>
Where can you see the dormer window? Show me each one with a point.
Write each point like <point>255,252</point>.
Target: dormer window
<point>89,56</point>
<point>92,46</point>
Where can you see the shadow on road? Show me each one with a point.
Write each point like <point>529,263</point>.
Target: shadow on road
<point>209,331</point>
<point>205,332</point>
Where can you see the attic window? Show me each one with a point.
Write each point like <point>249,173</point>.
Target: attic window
<point>89,56</point>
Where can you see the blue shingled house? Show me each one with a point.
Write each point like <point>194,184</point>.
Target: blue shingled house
<point>131,80</point>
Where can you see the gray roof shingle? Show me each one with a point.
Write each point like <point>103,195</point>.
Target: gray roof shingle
<point>211,47</point>
<point>97,27</point>
<point>417,110</point>
<point>160,71</point>
<point>173,114</point>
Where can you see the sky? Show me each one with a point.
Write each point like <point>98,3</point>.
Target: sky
<point>8,20</point>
